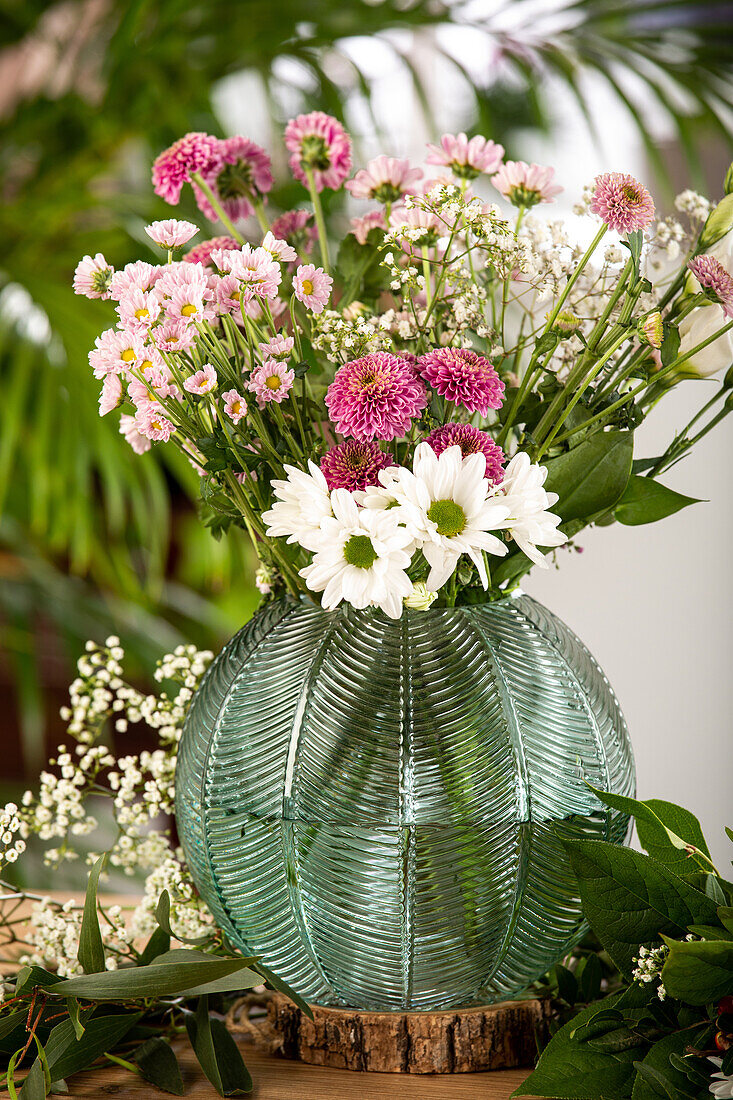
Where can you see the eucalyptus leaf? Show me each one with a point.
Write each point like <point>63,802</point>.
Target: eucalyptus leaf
<point>645,501</point>
<point>217,1053</point>
<point>592,477</point>
<point>698,972</point>
<point>66,1054</point>
<point>157,979</point>
<point>75,1016</point>
<point>91,947</point>
<point>282,986</point>
<point>34,1086</point>
<point>158,1064</point>
<point>158,944</point>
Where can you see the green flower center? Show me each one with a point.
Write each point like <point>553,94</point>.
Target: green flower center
<point>314,152</point>
<point>387,192</point>
<point>448,517</point>
<point>523,196</point>
<point>235,181</point>
<point>358,551</point>
<point>630,193</point>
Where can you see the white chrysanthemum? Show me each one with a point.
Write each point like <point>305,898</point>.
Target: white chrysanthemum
<point>721,1084</point>
<point>361,557</point>
<point>529,521</point>
<point>444,502</point>
<point>303,502</point>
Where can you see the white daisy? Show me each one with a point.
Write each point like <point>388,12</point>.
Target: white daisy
<point>303,502</point>
<point>361,557</point>
<point>444,502</point>
<point>529,522</point>
<point>721,1085</point>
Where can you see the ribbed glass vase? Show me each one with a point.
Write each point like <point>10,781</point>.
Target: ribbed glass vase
<point>376,808</point>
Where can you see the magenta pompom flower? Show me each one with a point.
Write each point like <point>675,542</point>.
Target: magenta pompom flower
<point>312,287</point>
<point>319,145</point>
<point>466,158</point>
<point>385,179</point>
<point>622,202</point>
<point>375,397</point>
<point>462,376</point>
<point>526,184</point>
<point>354,464</point>
<point>93,276</point>
<point>171,233</point>
<point>235,405</point>
<point>201,253</point>
<point>471,441</point>
<point>203,381</point>
<point>242,172</point>
<point>712,276</point>
<point>194,152</point>
<point>271,382</point>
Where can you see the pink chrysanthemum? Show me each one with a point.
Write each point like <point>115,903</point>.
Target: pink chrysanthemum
<point>201,253</point>
<point>203,381</point>
<point>138,309</point>
<point>312,287</point>
<point>279,347</point>
<point>180,275</point>
<point>319,144</point>
<point>375,397</point>
<point>271,382</point>
<point>526,184</point>
<point>156,386</point>
<point>361,227</point>
<point>173,335</point>
<point>354,464</point>
<point>622,202</point>
<point>195,152</point>
<point>235,405</point>
<point>111,394</point>
<point>243,170</point>
<point>462,376</point>
<point>385,179</point>
<point>151,423</point>
<point>189,304</point>
<point>171,233</point>
<point>278,248</point>
<point>128,429</point>
<point>298,228</point>
<point>92,277</point>
<point>471,441</point>
<point>466,159</point>
<point>227,296</point>
<point>415,218</point>
<point>135,276</point>
<point>116,351</point>
<point>258,273</point>
<point>712,276</point>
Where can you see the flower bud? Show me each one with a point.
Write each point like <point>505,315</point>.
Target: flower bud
<point>420,599</point>
<point>651,329</point>
<point>720,222</point>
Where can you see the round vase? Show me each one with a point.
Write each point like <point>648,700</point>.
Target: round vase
<point>377,808</point>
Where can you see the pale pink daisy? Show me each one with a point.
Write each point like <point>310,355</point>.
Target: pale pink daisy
<point>153,387</point>
<point>471,440</point>
<point>171,233</point>
<point>320,144</point>
<point>278,248</point>
<point>464,377</point>
<point>138,309</point>
<point>243,171</point>
<point>202,253</point>
<point>227,296</point>
<point>361,227</point>
<point>466,158</point>
<point>182,274</point>
<point>111,394</point>
<point>375,397</point>
<point>257,271</point>
<point>189,303</point>
<point>116,351</point>
<point>202,382</point>
<point>135,276</point>
<point>312,287</point>
<point>298,228</point>
<point>173,335</point>
<point>385,179</point>
<point>279,347</point>
<point>194,152</point>
<point>150,422</point>
<point>526,184</point>
<point>92,277</point>
<point>235,405</point>
<point>354,464</point>
<point>271,382</point>
<point>622,202</point>
<point>128,429</point>
<point>712,276</point>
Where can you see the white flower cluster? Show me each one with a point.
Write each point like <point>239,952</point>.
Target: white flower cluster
<point>13,831</point>
<point>190,919</point>
<point>343,338</point>
<point>649,963</point>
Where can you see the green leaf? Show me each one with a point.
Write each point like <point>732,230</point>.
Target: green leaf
<point>635,242</point>
<point>66,1054</point>
<point>34,1086</point>
<point>217,1053</point>
<point>157,979</point>
<point>719,222</point>
<point>570,1069</point>
<point>728,180</point>
<point>9,1023</point>
<point>725,916</point>
<point>591,477</point>
<point>698,972</point>
<point>158,944</point>
<point>646,501</point>
<point>658,1067</point>
<point>163,917</point>
<point>73,1006</point>
<point>567,985</point>
<point>590,979</point>
<point>159,1065</point>
<point>670,344</point>
<point>664,829</point>
<point>282,986</point>
<point>91,947</point>
<point>630,898</point>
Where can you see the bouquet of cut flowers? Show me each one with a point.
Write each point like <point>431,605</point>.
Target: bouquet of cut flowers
<point>456,395</point>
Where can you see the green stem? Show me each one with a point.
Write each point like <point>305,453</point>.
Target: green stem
<point>220,211</point>
<point>575,276</point>
<point>318,212</point>
<point>121,1062</point>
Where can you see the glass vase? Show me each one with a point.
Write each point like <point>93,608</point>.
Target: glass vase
<point>377,808</point>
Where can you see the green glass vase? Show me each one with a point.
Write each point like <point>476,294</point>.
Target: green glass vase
<point>377,808</point>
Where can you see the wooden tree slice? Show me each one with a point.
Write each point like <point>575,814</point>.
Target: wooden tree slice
<point>466,1040</point>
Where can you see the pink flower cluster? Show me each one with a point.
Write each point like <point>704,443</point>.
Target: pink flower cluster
<point>354,464</point>
<point>712,276</point>
<point>464,377</point>
<point>466,158</point>
<point>471,440</point>
<point>375,397</point>
<point>622,202</point>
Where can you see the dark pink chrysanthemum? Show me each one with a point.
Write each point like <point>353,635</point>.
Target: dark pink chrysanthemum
<point>201,253</point>
<point>243,170</point>
<point>195,152</point>
<point>462,376</point>
<point>622,202</point>
<point>320,144</point>
<point>354,464</point>
<point>471,441</point>
<point>712,276</point>
<point>375,397</point>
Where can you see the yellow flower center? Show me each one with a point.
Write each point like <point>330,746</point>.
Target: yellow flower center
<point>273,382</point>
<point>236,407</point>
<point>188,310</point>
<point>140,313</point>
<point>128,355</point>
<point>307,286</point>
<point>146,365</point>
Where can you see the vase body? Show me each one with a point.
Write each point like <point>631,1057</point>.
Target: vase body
<point>376,808</point>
